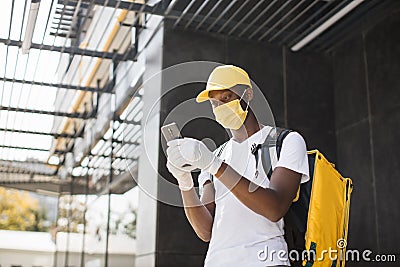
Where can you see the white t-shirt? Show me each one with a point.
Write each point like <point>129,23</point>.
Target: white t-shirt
<point>239,235</point>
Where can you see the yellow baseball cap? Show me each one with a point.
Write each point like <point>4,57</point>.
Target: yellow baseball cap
<point>224,77</point>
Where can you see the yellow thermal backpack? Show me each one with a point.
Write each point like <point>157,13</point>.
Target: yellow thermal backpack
<point>317,220</point>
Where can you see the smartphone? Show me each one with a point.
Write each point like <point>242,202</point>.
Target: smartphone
<point>171,131</point>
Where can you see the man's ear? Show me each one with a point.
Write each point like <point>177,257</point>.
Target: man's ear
<point>249,94</point>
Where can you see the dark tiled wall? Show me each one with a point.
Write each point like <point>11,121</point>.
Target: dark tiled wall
<point>310,100</point>
<point>367,112</point>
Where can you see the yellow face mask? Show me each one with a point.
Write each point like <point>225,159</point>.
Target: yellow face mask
<point>231,115</point>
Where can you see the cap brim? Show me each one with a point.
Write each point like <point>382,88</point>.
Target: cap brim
<point>203,95</point>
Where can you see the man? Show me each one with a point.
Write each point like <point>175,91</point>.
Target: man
<point>240,211</point>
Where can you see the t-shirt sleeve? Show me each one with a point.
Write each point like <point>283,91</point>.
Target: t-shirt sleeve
<point>202,178</point>
<point>294,155</point>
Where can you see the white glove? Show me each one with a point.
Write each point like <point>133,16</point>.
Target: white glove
<point>188,151</point>
<point>184,178</point>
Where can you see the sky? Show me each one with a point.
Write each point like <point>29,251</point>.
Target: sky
<point>41,66</point>
<point>38,66</point>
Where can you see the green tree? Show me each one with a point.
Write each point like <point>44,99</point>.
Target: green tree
<point>130,226</point>
<point>39,224</point>
<point>19,211</point>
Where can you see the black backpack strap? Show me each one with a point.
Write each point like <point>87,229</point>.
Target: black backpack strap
<point>281,133</point>
<point>218,155</point>
<point>278,135</point>
<point>279,142</point>
<point>254,151</point>
<point>274,139</point>
<point>222,149</point>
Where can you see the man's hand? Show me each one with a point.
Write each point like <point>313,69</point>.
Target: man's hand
<point>184,178</point>
<point>189,153</point>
